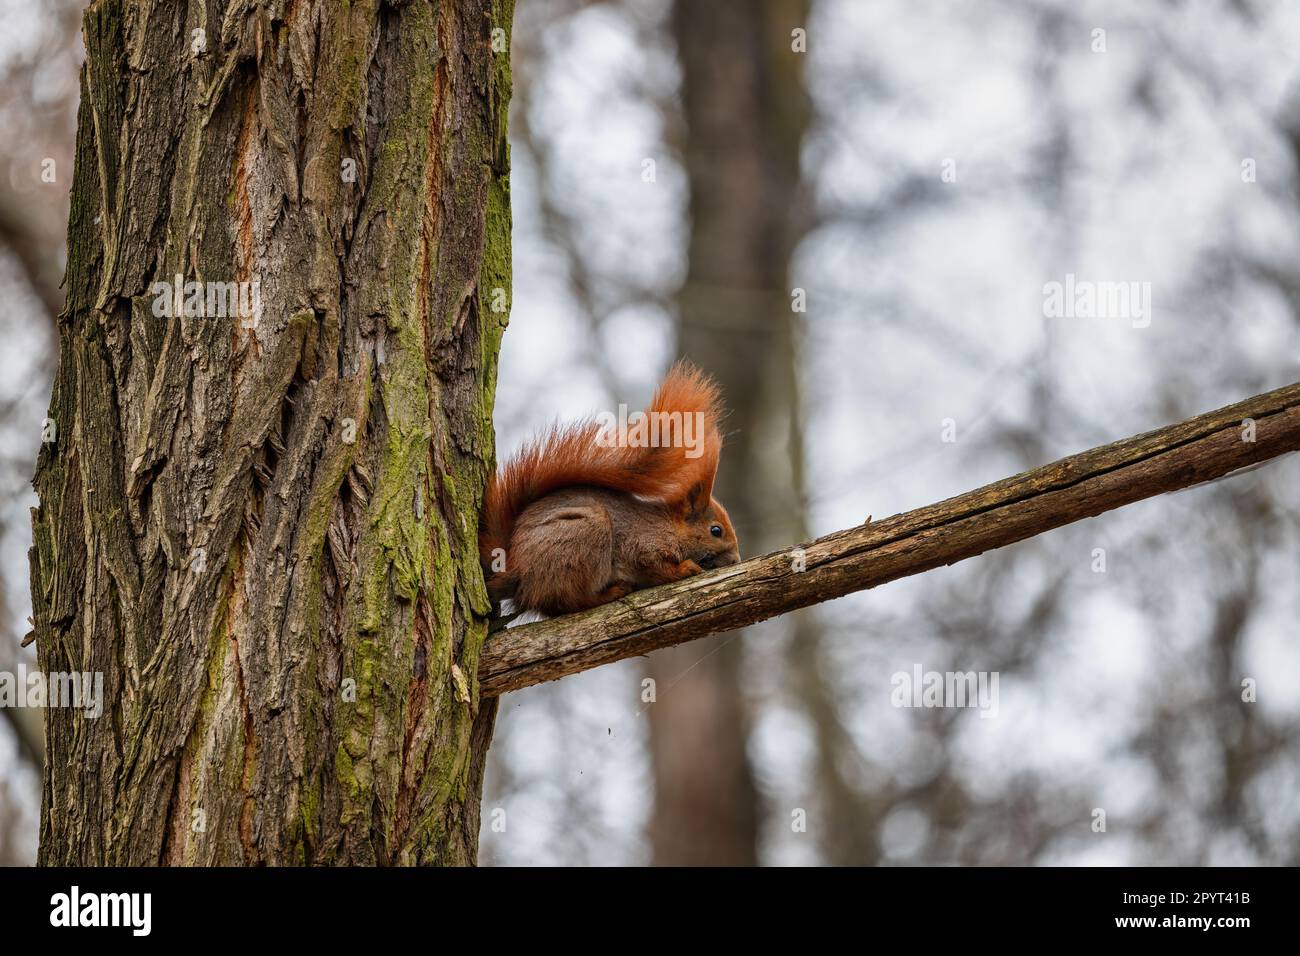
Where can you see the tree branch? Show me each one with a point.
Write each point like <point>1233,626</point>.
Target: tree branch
<point>1081,486</point>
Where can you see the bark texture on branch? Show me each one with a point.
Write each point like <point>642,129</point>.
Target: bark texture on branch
<point>1081,486</point>
<point>263,535</point>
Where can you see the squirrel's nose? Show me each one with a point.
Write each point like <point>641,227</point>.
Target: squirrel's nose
<point>719,559</point>
<point>723,559</point>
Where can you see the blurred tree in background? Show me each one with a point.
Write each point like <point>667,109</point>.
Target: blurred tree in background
<point>744,113</point>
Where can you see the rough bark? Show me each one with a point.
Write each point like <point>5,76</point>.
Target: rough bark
<point>745,112</point>
<point>1167,459</point>
<point>264,537</point>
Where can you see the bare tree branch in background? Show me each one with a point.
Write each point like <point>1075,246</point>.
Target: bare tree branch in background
<point>26,723</point>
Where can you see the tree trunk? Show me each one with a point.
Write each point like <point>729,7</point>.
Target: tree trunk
<point>261,530</point>
<point>746,113</point>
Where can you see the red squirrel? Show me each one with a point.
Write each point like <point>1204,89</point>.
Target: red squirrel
<point>576,519</point>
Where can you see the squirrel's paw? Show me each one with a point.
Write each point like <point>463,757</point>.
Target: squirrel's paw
<point>688,568</point>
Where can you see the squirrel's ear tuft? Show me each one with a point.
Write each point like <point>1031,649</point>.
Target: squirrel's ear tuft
<point>709,466</point>
<point>697,500</point>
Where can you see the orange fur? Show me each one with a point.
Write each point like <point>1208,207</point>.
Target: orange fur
<point>569,456</point>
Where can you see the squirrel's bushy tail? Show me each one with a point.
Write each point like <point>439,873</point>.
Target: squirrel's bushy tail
<point>575,455</point>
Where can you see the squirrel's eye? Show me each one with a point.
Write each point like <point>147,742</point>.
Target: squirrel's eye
<point>716,531</point>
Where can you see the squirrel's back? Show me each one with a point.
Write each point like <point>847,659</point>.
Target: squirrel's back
<point>572,456</point>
